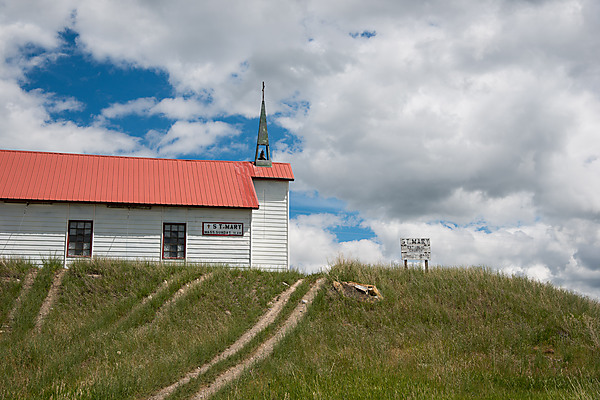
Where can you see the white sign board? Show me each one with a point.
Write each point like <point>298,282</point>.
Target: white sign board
<point>223,229</point>
<point>415,249</point>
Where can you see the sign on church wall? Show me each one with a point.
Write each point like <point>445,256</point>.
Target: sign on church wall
<point>223,229</point>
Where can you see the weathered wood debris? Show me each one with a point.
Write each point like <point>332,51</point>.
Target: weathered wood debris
<point>359,291</point>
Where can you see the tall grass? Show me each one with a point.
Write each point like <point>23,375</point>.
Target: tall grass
<point>449,333</point>
<point>12,274</point>
<point>101,341</point>
<point>25,316</point>
<point>188,390</point>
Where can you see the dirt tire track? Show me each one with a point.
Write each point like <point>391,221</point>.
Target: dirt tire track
<point>169,302</point>
<point>139,305</point>
<point>27,284</point>
<point>163,286</point>
<point>49,300</point>
<point>182,291</point>
<point>265,349</point>
<point>264,321</point>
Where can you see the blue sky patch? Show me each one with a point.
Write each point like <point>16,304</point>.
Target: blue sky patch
<point>363,34</point>
<point>352,231</point>
<point>350,227</point>
<point>96,85</point>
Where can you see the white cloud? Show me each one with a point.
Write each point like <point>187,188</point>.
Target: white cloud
<point>26,124</point>
<point>313,246</point>
<point>141,106</point>
<point>180,108</point>
<point>193,137</point>
<point>202,45</point>
<point>22,25</point>
<point>176,108</point>
<point>538,251</point>
<point>57,104</point>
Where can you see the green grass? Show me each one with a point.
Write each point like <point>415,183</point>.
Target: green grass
<point>452,333</point>
<point>99,343</point>
<point>25,316</point>
<point>186,391</point>
<point>12,274</point>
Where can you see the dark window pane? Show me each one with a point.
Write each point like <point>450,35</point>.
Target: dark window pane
<point>80,238</point>
<point>173,240</point>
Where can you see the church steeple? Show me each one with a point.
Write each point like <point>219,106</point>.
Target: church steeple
<point>262,144</point>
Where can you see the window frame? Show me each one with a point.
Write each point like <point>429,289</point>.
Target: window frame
<point>70,237</point>
<point>164,250</point>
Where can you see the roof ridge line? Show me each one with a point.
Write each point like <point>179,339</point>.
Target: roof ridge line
<point>123,156</point>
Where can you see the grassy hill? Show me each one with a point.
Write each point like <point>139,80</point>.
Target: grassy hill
<point>124,330</point>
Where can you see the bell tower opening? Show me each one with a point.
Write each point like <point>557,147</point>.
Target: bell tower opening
<point>262,156</point>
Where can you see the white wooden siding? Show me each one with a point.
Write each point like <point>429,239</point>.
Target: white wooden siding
<point>270,225</point>
<point>35,232</point>
<point>128,233</point>
<point>38,232</point>
<point>232,250</point>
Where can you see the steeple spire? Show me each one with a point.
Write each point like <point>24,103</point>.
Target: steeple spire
<point>264,158</point>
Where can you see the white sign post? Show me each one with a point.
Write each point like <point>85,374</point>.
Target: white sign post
<point>416,249</point>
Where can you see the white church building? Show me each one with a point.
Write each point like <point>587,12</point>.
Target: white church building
<point>74,206</point>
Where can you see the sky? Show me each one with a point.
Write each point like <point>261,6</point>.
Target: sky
<point>475,123</point>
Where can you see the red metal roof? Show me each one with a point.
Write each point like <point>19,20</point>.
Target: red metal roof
<point>37,176</point>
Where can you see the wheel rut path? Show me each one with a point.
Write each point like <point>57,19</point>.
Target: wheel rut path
<point>181,292</point>
<point>264,321</point>
<point>264,349</point>
<point>27,284</point>
<point>166,304</point>
<point>49,300</point>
